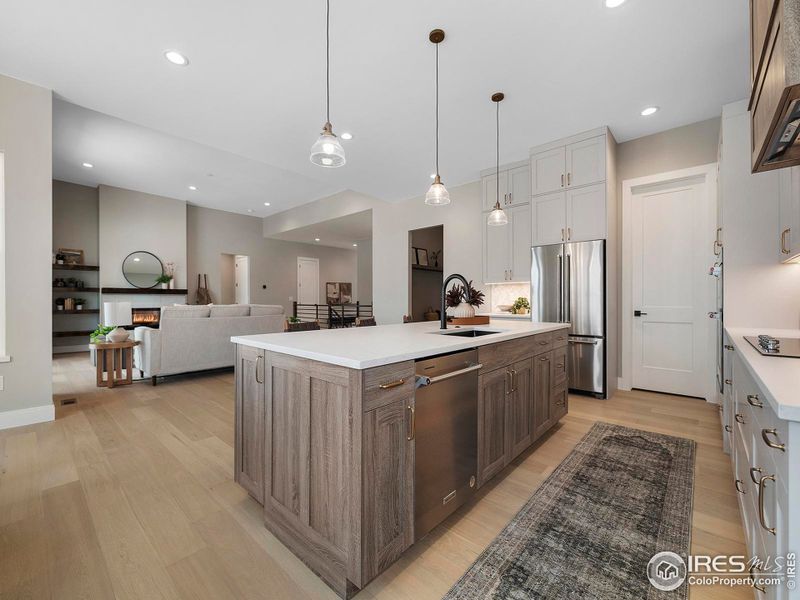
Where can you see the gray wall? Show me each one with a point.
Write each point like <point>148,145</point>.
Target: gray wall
<point>76,225</point>
<point>364,258</point>
<point>26,141</point>
<point>211,233</point>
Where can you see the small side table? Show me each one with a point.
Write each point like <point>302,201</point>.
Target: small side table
<point>110,356</point>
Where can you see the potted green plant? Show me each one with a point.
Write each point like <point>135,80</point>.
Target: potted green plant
<point>99,334</point>
<point>164,280</point>
<point>521,306</point>
<point>80,303</point>
<point>59,304</point>
<point>463,301</point>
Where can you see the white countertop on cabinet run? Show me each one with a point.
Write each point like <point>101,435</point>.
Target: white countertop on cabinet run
<point>779,377</point>
<point>505,315</point>
<point>366,347</point>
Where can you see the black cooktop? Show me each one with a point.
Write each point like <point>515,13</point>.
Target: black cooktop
<point>770,346</point>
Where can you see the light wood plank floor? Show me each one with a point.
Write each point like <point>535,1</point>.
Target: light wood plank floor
<point>129,494</point>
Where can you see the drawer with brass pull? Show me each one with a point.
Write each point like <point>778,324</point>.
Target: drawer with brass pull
<point>559,366</point>
<point>388,383</point>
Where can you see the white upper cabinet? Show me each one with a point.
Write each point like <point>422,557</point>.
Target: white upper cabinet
<point>788,245</point>
<point>586,213</point>
<point>548,171</point>
<point>496,252</point>
<point>490,190</point>
<point>549,219</point>
<point>515,187</point>
<point>586,162</point>
<point>520,222</point>
<point>519,185</point>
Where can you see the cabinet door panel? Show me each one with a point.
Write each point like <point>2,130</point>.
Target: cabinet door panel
<point>548,171</point>
<point>519,185</point>
<point>250,415</point>
<point>542,388</point>
<point>586,162</point>
<point>549,219</point>
<point>388,498</point>
<point>560,366</point>
<point>559,400</point>
<point>497,252</point>
<point>520,417</point>
<point>492,435</point>
<point>586,213</point>
<point>519,220</point>
<point>789,215</point>
<point>490,190</point>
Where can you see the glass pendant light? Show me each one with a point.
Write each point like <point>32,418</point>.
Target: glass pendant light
<point>327,151</point>
<point>498,215</point>
<point>437,194</point>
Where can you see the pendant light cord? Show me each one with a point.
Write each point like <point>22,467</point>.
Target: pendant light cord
<point>497,173</point>
<point>437,109</point>
<point>328,62</point>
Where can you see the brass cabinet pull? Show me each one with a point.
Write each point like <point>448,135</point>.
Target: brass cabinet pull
<point>760,588</point>
<point>737,483</point>
<point>413,432</point>
<point>543,343</point>
<point>259,361</point>
<point>562,234</point>
<point>765,433</point>
<point>728,382</point>
<point>562,180</point>
<point>728,347</point>
<point>784,249</point>
<point>543,358</point>
<point>569,178</point>
<point>753,471</point>
<point>392,384</point>
<point>761,484</point>
<point>752,400</point>
<point>510,198</point>
<point>728,428</point>
<point>739,418</point>
<point>569,233</point>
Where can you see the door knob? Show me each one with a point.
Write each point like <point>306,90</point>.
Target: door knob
<point>638,313</point>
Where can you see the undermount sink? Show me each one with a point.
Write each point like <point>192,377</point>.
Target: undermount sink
<point>467,332</point>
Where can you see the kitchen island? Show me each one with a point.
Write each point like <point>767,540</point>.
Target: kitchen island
<point>325,429</point>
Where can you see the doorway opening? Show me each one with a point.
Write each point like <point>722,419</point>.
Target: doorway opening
<point>426,266</point>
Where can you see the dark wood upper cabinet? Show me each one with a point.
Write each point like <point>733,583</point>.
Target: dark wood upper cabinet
<point>775,76</point>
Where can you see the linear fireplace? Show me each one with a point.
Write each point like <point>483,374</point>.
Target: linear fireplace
<point>147,317</point>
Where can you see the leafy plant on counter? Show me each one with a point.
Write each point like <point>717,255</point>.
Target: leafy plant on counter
<point>520,303</point>
<point>293,320</point>
<point>163,278</point>
<point>454,295</point>
<point>472,296</point>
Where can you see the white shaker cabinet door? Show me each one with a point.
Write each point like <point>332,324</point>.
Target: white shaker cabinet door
<point>549,219</point>
<point>586,162</point>
<point>586,213</point>
<point>519,220</point>
<point>788,245</point>
<point>490,190</point>
<point>496,252</point>
<point>548,172</point>
<point>519,185</point>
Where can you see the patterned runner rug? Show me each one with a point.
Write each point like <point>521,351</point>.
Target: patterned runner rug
<point>589,531</point>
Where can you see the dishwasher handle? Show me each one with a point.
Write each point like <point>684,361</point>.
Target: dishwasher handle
<point>424,380</point>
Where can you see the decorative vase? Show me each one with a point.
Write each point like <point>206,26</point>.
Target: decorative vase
<point>164,286</point>
<point>172,283</point>
<point>463,311</point>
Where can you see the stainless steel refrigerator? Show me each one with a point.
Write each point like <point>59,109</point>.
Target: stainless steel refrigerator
<point>568,285</point>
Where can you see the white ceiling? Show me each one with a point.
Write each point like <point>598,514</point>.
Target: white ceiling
<point>341,232</point>
<point>255,85</point>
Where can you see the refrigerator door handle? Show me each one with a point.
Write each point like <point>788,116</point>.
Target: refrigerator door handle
<point>560,289</point>
<point>568,291</point>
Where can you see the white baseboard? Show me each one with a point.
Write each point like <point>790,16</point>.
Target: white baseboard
<point>27,416</point>
<point>623,385</point>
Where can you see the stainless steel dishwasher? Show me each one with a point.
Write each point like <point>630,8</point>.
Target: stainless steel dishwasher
<point>446,434</point>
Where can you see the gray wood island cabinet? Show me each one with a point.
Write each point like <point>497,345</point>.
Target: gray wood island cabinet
<point>328,449</point>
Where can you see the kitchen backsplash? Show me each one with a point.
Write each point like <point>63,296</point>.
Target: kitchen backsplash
<point>507,293</point>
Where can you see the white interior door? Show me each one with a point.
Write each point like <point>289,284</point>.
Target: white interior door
<point>307,280</point>
<point>241,270</point>
<point>670,243</point>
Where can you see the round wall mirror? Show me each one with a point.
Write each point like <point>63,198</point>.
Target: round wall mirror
<point>141,269</point>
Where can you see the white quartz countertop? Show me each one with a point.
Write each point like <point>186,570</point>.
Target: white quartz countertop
<point>366,347</point>
<point>505,315</point>
<point>779,377</point>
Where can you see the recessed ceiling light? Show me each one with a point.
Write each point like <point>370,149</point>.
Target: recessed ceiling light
<point>316,239</point>
<point>650,110</point>
<point>266,203</point>
<point>614,3</point>
<point>193,188</point>
<point>88,165</point>
<point>355,245</point>
<point>347,136</point>
<point>249,210</point>
<point>176,58</point>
